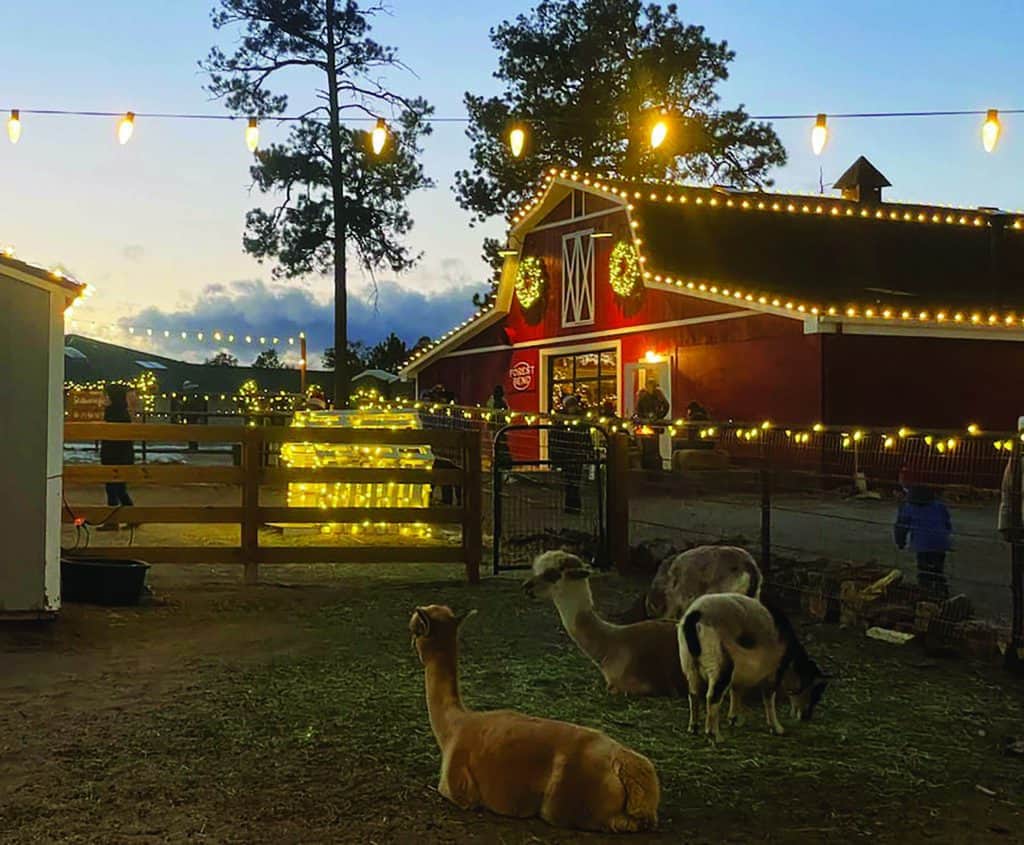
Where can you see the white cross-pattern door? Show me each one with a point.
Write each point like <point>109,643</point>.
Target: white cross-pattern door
<point>578,278</point>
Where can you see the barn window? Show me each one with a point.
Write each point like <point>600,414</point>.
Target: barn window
<point>592,376</point>
<point>578,279</point>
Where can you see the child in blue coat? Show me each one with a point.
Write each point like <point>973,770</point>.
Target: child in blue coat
<point>926,521</point>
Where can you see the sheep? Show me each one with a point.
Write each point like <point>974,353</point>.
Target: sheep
<point>518,765</point>
<point>638,659</point>
<point>729,641</point>
<point>697,572</point>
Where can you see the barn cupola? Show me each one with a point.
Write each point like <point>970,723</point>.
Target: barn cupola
<point>862,182</point>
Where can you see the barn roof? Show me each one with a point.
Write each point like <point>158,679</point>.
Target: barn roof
<point>818,258</point>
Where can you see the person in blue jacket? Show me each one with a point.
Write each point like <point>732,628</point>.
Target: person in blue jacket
<point>926,522</point>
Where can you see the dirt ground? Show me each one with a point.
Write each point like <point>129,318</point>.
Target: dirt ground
<point>293,712</point>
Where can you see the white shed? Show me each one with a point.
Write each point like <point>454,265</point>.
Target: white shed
<point>32,302</point>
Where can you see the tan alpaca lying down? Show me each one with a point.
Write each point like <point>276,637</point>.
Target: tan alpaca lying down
<point>522,766</point>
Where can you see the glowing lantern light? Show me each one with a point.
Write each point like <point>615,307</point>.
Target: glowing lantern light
<point>379,136</point>
<point>990,130</point>
<point>14,126</point>
<point>252,134</point>
<point>517,141</point>
<point>819,134</point>
<point>659,132</point>
<point>126,128</point>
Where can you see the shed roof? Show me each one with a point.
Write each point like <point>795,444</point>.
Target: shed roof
<point>52,277</point>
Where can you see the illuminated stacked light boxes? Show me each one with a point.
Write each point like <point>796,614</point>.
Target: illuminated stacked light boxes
<point>390,494</point>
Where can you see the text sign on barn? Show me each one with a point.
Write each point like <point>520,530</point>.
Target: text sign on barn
<point>521,374</point>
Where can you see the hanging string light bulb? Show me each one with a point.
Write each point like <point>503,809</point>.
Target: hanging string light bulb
<point>379,136</point>
<point>819,134</point>
<point>14,126</point>
<point>252,134</point>
<point>126,127</point>
<point>990,130</point>
<point>517,140</point>
<point>659,131</point>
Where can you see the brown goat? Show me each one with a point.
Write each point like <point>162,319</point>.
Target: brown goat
<point>522,766</point>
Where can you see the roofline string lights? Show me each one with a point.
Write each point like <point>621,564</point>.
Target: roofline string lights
<point>767,203</point>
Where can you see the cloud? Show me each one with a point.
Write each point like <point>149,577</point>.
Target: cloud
<point>256,308</point>
<point>134,252</point>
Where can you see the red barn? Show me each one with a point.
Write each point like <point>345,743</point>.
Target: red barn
<point>798,309</point>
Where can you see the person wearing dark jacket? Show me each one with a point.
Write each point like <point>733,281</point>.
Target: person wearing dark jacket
<point>925,521</point>
<point>570,448</point>
<point>117,452</point>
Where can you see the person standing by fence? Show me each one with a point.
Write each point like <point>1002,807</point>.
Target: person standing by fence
<point>570,450</point>
<point>498,406</point>
<point>117,452</point>
<point>926,522</point>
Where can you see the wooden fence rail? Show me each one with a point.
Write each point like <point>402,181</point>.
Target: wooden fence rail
<point>252,475</point>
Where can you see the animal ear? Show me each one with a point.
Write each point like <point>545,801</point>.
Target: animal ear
<point>578,574</point>
<point>421,627</point>
<point>467,615</point>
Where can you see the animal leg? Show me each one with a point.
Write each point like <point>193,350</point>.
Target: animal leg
<point>735,708</point>
<point>717,688</point>
<point>693,727</point>
<point>458,786</point>
<point>768,696</point>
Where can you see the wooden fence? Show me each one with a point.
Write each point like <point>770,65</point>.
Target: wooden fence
<point>252,474</point>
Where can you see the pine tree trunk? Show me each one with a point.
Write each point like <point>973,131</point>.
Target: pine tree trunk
<point>341,373</point>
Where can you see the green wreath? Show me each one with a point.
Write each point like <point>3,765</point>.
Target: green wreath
<point>530,281</point>
<point>624,269</point>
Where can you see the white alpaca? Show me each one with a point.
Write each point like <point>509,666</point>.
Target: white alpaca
<point>638,659</point>
<point>731,642</point>
<point>682,579</point>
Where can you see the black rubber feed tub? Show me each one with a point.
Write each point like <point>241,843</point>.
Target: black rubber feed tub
<point>99,580</point>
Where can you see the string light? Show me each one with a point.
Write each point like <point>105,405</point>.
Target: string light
<point>252,135</point>
<point>517,141</point>
<point>14,126</point>
<point>819,134</point>
<point>990,130</point>
<point>659,131</point>
<point>379,136</point>
<point>126,128</point>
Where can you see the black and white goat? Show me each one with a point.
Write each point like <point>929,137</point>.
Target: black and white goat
<point>732,643</point>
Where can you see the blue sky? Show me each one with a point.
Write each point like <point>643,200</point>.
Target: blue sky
<point>157,224</point>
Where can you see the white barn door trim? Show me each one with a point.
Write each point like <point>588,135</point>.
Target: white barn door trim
<point>578,279</point>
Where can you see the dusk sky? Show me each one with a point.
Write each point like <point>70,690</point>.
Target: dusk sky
<point>156,225</point>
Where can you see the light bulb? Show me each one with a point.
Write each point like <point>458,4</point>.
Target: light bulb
<point>379,136</point>
<point>819,135</point>
<point>14,126</point>
<point>516,141</point>
<point>990,130</point>
<point>126,127</point>
<point>252,135</point>
<point>658,133</point>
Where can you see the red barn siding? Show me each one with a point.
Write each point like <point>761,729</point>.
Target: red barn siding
<point>923,381</point>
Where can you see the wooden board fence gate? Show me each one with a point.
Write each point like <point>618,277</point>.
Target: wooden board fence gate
<point>252,475</point>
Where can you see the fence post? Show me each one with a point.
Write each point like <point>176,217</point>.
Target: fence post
<point>496,507</point>
<point>472,505</point>
<point>766,518</point>
<point>617,501</point>
<point>251,443</point>
<point>1013,658</point>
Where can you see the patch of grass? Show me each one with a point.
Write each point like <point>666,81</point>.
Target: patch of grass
<point>338,739</point>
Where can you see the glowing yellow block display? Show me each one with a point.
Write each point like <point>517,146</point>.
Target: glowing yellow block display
<point>390,494</point>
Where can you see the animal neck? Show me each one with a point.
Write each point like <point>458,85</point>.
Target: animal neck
<point>588,630</point>
<point>444,703</point>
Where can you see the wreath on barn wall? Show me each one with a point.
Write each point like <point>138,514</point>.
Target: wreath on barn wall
<point>624,269</point>
<point>530,281</point>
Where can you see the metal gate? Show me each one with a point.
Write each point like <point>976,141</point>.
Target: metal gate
<point>549,489</point>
